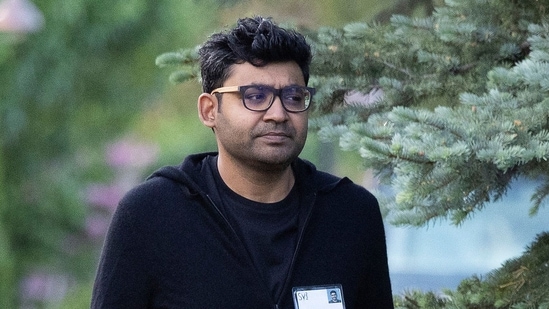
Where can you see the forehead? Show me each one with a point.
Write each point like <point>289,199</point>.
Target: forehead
<point>273,74</point>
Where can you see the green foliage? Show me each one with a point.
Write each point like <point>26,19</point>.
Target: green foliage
<point>78,298</point>
<point>186,62</point>
<point>518,283</point>
<point>65,91</point>
<point>462,111</point>
<point>418,299</point>
<point>7,273</point>
<point>449,110</point>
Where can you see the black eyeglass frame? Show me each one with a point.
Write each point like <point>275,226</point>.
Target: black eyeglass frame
<point>276,91</point>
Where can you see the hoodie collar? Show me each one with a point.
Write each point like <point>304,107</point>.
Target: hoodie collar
<point>194,173</point>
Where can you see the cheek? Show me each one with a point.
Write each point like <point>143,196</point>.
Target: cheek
<point>301,126</point>
<point>234,128</point>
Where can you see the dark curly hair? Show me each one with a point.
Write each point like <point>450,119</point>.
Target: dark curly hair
<point>256,40</point>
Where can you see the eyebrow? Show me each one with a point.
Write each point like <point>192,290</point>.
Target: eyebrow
<point>290,85</point>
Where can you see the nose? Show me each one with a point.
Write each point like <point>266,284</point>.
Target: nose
<point>276,112</point>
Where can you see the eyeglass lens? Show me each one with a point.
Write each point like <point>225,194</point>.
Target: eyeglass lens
<point>294,98</point>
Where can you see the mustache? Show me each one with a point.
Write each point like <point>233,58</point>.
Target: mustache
<point>278,129</point>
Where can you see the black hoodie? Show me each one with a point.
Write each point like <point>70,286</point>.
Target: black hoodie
<point>171,246</point>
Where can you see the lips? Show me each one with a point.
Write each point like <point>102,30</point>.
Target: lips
<point>278,132</point>
<point>275,136</point>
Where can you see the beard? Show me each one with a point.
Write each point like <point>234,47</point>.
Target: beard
<point>270,147</point>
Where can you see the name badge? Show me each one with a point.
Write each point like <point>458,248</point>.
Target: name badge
<point>319,297</point>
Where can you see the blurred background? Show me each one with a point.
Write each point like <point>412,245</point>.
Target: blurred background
<point>85,115</point>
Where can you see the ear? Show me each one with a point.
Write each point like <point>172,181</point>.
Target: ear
<point>207,109</point>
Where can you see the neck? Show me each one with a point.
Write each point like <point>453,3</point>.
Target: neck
<point>256,184</point>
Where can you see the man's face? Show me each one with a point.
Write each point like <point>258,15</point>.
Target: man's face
<point>271,139</point>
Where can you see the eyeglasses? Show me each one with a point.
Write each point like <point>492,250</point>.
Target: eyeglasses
<point>260,98</point>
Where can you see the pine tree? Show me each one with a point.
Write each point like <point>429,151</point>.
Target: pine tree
<point>463,111</point>
<point>449,109</point>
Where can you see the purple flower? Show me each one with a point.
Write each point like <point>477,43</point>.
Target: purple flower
<point>129,153</point>
<point>104,196</point>
<point>44,287</point>
<point>97,225</point>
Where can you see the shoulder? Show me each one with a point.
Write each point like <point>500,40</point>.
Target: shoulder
<point>328,184</point>
<point>148,198</point>
<point>153,190</point>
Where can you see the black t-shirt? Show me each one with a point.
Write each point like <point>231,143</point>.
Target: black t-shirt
<point>269,230</point>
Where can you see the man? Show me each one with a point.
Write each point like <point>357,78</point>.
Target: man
<point>246,226</point>
<point>333,297</point>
